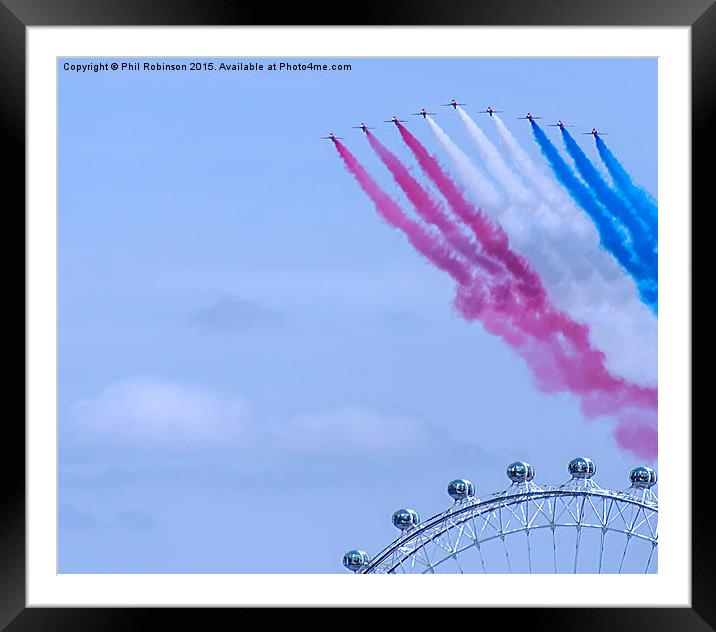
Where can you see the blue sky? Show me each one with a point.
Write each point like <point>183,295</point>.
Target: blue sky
<point>254,370</point>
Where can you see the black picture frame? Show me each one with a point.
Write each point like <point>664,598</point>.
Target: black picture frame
<point>16,15</point>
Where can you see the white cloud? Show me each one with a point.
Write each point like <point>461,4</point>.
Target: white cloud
<point>157,411</point>
<point>151,415</point>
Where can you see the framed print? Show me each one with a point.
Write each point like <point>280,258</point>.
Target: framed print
<point>310,302</point>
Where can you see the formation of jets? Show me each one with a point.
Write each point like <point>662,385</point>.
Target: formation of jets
<point>453,104</point>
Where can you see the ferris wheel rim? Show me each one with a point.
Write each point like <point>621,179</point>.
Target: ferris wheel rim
<point>474,507</point>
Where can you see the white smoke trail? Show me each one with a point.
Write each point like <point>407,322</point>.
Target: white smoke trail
<point>494,162</point>
<point>561,243</point>
<point>477,182</point>
<point>529,210</point>
<point>542,184</point>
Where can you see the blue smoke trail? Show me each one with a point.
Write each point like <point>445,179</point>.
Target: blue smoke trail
<point>641,200</point>
<point>642,240</point>
<point>610,235</point>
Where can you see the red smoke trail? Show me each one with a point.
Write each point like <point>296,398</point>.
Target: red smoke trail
<point>489,282</point>
<point>580,371</point>
<point>431,247</point>
<point>575,365</point>
<point>641,438</point>
<point>489,234</point>
<point>431,210</point>
<point>556,349</point>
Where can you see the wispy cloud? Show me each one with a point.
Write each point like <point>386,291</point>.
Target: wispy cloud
<point>151,419</point>
<point>231,314</point>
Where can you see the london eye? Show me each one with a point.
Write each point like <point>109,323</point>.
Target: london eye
<point>574,527</point>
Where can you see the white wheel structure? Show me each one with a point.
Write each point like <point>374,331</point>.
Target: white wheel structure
<point>577,527</point>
